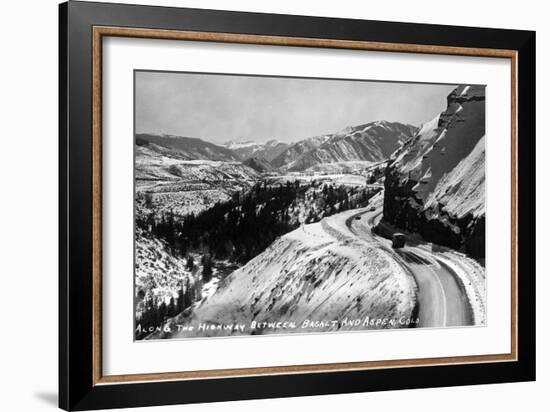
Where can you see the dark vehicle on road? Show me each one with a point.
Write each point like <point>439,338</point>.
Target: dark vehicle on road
<point>357,217</point>
<point>398,240</point>
<point>372,208</point>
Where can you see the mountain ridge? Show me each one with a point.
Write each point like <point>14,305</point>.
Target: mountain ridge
<point>369,142</point>
<point>244,150</point>
<point>373,141</point>
<point>187,148</point>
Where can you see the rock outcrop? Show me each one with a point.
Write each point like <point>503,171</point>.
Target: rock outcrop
<point>435,184</point>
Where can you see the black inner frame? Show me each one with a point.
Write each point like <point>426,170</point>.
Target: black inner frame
<point>76,388</point>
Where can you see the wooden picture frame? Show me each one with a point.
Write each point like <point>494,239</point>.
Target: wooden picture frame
<point>82,384</point>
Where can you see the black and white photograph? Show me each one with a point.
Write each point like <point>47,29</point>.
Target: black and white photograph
<point>281,205</point>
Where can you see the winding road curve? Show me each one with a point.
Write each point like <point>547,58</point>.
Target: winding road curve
<point>441,300</point>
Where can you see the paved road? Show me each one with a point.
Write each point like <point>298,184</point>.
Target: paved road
<point>441,299</point>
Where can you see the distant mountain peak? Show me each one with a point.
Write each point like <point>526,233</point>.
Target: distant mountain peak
<point>238,142</point>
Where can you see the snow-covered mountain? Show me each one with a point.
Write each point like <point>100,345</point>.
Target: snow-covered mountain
<point>295,150</point>
<point>371,142</point>
<point>259,164</point>
<point>435,185</point>
<point>185,148</point>
<point>267,150</point>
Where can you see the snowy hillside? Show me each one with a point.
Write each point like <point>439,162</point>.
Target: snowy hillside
<point>165,183</point>
<point>436,183</point>
<point>259,164</point>
<point>295,150</point>
<point>186,148</point>
<point>159,274</point>
<point>372,142</point>
<point>319,273</point>
<point>461,191</point>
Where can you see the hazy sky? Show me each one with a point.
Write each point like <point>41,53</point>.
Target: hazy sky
<point>219,108</point>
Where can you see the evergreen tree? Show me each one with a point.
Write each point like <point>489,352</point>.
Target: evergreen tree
<point>206,268</point>
<point>189,294</point>
<point>190,263</point>
<point>181,300</point>
<point>163,311</point>
<point>148,200</point>
<point>172,308</point>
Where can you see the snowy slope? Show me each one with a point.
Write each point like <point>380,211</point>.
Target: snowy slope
<point>158,273</point>
<point>185,147</point>
<point>185,186</point>
<point>295,150</point>
<point>371,142</point>
<point>319,272</point>
<point>259,164</point>
<point>462,190</point>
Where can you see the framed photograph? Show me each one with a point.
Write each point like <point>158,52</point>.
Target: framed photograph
<point>257,205</point>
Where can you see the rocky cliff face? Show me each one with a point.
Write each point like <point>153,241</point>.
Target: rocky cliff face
<point>435,184</point>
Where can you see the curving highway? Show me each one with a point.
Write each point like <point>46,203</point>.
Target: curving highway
<point>441,301</point>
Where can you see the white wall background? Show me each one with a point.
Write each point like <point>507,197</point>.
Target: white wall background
<point>28,203</point>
